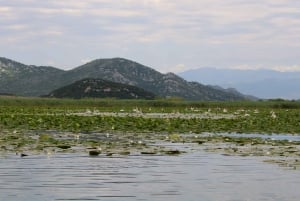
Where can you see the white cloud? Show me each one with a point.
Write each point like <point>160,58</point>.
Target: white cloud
<point>179,68</point>
<point>287,68</point>
<point>213,32</point>
<point>248,67</point>
<point>5,9</point>
<point>6,13</point>
<point>15,27</point>
<point>55,11</point>
<point>291,68</point>
<point>86,60</point>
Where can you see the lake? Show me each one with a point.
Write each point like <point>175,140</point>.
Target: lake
<point>195,175</point>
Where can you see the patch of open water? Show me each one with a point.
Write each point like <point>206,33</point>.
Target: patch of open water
<point>257,135</point>
<point>196,175</point>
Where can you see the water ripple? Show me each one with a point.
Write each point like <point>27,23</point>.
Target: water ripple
<point>186,177</point>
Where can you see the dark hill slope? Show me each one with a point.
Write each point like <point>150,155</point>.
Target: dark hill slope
<point>98,88</point>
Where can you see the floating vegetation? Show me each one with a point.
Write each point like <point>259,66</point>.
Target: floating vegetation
<point>64,146</point>
<point>124,153</point>
<point>148,152</point>
<point>23,155</point>
<point>94,152</point>
<point>128,127</point>
<point>172,152</point>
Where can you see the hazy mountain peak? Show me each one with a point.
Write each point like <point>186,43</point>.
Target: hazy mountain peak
<point>261,83</point>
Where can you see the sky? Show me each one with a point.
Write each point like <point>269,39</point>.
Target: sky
<point>167,35</point>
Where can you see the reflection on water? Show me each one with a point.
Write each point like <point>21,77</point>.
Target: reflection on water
<point>196,175</point>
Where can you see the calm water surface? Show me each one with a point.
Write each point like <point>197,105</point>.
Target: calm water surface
<point>196,175</point>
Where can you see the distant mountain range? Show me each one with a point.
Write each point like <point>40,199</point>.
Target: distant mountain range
<point>267,84</point>
<point>28,80</point>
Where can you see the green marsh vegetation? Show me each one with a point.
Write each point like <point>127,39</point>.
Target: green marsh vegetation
<point>125,126</point>
<point>88,115</point>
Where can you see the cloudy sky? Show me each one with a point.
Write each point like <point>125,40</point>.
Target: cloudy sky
<point>168,35</point>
